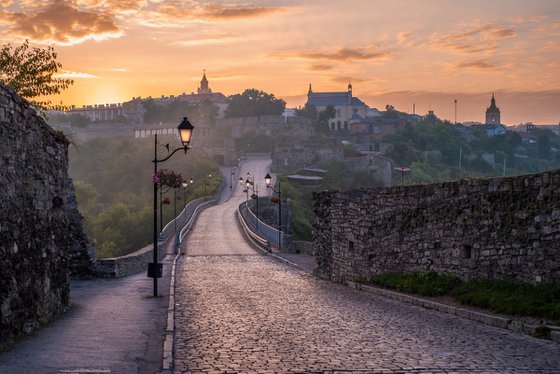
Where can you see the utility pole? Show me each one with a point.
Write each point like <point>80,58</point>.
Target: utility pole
<point>455,111</point>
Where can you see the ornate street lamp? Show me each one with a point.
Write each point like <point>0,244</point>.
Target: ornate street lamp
<point>250,182</point>
<point>185,132</point>
<point>268,181</point>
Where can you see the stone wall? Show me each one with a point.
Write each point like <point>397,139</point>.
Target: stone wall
<point>81,251</point>
<point>35,240</point>
<point>133,263</point>
<point>504,228</point>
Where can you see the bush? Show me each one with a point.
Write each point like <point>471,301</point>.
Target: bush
<point>423,283</point>
<point>517,299</point>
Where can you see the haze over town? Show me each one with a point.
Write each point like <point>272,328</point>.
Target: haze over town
<point>393,52</point>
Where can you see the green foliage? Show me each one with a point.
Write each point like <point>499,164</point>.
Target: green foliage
<point>78,120</point>
<point>252,103</point>
<point>517,299</point>
<point>30,72</point>
<point>390,112</point>
<point>349,150</point>
<point>113,184</point>
<point>419,282</point>
<point>308,111</point>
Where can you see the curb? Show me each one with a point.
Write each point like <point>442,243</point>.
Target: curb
<point>485,318</point>
<point>167,360</point>
<point>282,259</point>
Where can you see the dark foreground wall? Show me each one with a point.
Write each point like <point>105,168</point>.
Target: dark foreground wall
<point>38,228</point>
<point>505,228</point>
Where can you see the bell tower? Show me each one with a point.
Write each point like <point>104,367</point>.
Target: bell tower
<point>493,113</point>
<point>204,89</point>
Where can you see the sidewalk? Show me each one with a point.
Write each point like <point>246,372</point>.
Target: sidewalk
<point>113,326</point>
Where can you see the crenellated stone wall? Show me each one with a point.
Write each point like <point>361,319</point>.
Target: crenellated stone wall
<point>38,226</point>
<point>504,228</point>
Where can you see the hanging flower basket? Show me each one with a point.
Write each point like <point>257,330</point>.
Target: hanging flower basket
<point>168,178</point>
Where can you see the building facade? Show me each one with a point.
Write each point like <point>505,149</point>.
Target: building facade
<point>346,106</point>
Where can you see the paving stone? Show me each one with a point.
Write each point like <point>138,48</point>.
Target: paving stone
<point>240,311</point>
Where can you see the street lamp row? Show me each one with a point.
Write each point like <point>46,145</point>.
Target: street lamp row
<point>268,181</point>
<point>250,183</point>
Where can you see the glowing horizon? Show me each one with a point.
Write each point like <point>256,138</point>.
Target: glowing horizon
<point>394,52</point>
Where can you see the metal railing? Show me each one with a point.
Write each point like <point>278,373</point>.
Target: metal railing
<point>181,219</point>
<point>178,225</point>
<point>261,232</point>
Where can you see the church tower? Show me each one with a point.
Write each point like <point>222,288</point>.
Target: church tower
<point>493,113</point>
<point>204,89</point>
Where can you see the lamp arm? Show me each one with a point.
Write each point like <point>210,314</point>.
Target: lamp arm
<point>185,148</point>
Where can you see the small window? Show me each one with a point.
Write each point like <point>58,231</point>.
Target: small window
<point>467,251</point>
<point>350,246</point>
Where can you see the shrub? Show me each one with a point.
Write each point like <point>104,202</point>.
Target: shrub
<point>423,283</point>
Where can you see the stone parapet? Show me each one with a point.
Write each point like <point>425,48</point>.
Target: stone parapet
<point>502,228</point>
<point>133,263</point>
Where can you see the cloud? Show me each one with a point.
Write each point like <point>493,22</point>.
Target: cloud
<point>176,13</point>
<point>533,19</point>
<point>215,39</point>
<point>478,65</point>
<point>60,23</point>
<point>114,6</point>
<point>320,67</point>
<point>404,37</point>
<point>344,54</point>
<point>120,70</point>
<point>6,3</point>
<point>476,39</point>
<point>346,79</point>
<point>232,12</point>
<point>73,74</point>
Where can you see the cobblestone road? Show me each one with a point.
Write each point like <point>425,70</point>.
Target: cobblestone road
<point>240,311</point>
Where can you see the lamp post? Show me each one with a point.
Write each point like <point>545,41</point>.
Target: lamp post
<point>185,132</point>
<point>250,182</point>
<point>268,180</point>
<point>185,184</point>
<point>207,182</point>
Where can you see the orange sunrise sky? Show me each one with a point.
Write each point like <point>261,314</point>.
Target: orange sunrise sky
<point>427,52</point>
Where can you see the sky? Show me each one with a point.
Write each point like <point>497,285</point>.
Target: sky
<point>426,53</point>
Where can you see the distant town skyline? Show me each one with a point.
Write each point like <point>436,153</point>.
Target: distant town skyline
<point>392,51</point>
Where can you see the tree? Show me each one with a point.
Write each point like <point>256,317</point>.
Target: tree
<point>253,102</point>
<point>30,72</point>
<point>309,111</point>
<point>322,124</point>
<point>390,112</point>
<point>78,120</point>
